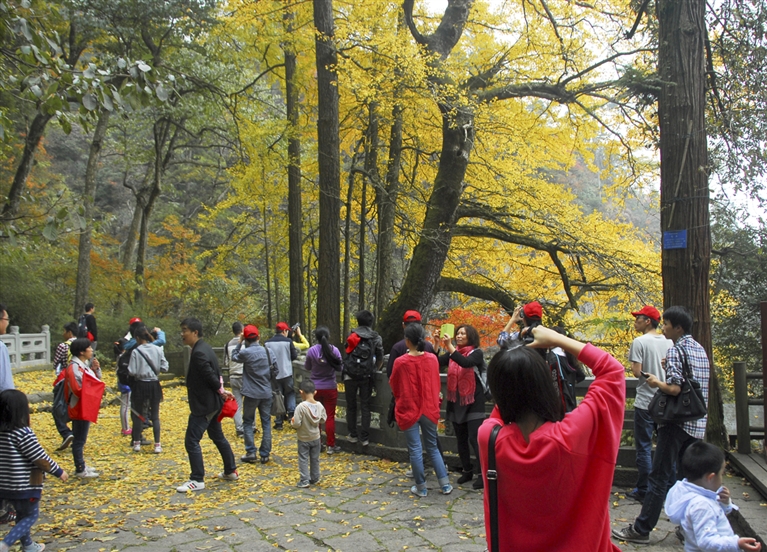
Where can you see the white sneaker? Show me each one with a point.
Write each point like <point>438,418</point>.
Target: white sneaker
<point>234,476</point>
<point>136,446</point>
<point>157,448</point>
<point>191,486</point>
<point>87,473</point>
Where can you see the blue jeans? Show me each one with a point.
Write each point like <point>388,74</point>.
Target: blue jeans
<point>644,426</point>
<point>264,407</point>
<point>429,430</point>
<point>27,512</point>
<point>80,431</point>
<point>285,386</point>
<point>195,429</point>
<point>672,442</point>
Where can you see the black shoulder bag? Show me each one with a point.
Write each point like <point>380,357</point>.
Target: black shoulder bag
<point>492,489</point>
<point>687,406</point>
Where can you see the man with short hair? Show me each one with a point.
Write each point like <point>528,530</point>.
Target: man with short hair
<point>206,394</point>
<point>646,355</point>
<point>235,375</point>
<point>259,369</point>
<point>6,374</point>
<point>284,353</point>
<point>361,384</point>
<point>673,439</point>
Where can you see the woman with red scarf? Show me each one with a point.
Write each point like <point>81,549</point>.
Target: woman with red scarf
<point>465,399</point>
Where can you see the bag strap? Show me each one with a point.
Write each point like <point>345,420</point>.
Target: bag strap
<point>149,362</point>
<point>492,489</point>
<point>686,370</point>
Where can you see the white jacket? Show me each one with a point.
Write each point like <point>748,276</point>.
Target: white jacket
<point>703,518</point>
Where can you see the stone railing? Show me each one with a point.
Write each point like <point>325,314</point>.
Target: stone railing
<point>28,350</point>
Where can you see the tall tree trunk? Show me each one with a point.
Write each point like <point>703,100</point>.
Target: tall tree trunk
<point>361,268</point>
<point>295,223</point>
<point>88,199</point>
<point>371,173</point>
<point>386,201</point>
<point>163,153</point>
<point>431,251</point>
<point>329,278</point>
<point>135,227</point>
<point>684,176</point>
<point>276,275</point>
<point>34,135</point>
<point>348,254</point>
<point>269,319</point>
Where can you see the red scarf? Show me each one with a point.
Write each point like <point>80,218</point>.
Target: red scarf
<point>461,382</point>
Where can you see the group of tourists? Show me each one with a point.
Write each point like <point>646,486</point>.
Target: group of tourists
<point>541,442</point>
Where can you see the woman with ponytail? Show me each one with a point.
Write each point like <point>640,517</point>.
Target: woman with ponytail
<point>415,385</point>
<point>323,361</point>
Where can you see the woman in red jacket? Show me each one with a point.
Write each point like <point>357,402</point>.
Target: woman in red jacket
<point>415,385</point>
<point>554,472</point>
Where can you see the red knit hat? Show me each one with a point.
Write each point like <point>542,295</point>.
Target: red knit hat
<point>250,332</point>
<point>352,341</point>
<point>533,310</point>
<point>649,312</point>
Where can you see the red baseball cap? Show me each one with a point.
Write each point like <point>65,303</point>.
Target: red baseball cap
<point>250,332</point>
<point>649,312</point>
<point>533,310</point>
<point>352,341</point>
<point>411,316</point>
<point>282,326</point>
<point>134,320</point>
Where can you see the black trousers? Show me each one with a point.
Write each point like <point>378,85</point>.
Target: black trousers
<point>465,435</point>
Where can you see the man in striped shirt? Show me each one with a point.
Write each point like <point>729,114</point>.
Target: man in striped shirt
<point>673,439</point>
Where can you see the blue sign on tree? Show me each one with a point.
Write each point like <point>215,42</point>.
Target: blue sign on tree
<point>675,239</point>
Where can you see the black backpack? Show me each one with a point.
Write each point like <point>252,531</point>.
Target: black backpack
<point>565,378</point>
<point>361,361</point>
<point>123,376</point>
<point>82,326</point>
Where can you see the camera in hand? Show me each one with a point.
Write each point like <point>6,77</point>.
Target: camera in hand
<point>525,337</point>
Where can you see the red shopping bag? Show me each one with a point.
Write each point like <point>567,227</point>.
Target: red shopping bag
<point>84,400</point>
<point>90,399</point>
<point>229,409</point>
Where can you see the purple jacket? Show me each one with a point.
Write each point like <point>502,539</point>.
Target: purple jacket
<point>323,374</point>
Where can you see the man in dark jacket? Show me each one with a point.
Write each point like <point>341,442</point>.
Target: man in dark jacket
<point>361,384</point>
<point>206,394</point>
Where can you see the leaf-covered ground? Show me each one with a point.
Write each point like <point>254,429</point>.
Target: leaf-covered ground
<point>141,486</point>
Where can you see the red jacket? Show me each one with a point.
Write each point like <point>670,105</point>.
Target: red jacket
<point>415,384</point>
<point>553,492</point>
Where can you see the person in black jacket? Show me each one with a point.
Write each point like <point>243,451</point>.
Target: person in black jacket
<point>465,407</point>
<point>206,394</point>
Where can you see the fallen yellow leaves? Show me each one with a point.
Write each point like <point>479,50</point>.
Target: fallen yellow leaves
<point>140,487</point>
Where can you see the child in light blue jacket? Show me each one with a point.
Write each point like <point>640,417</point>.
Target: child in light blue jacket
<point>700,503</point>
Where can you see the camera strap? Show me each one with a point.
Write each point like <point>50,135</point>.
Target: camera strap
<point>492,489</point>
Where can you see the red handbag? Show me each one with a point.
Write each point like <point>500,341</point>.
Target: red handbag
<point>229,409</point>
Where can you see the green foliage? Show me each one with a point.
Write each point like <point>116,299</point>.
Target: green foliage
<point>737,276</point>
